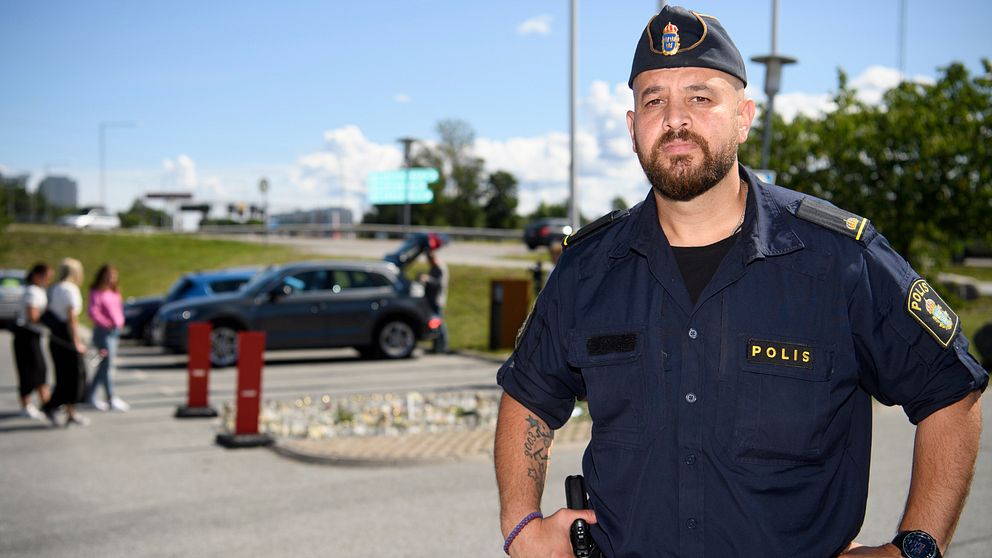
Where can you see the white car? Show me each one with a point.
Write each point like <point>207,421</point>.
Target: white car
<point>92,218</point>
<point>11,295</point>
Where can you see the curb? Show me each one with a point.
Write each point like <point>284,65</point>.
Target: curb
<point>409,450</point>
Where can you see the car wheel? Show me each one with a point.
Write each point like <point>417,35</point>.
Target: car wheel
<point>223,346</point>
<point>395,339</point>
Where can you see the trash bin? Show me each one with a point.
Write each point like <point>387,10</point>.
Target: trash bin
<point>509,303</point>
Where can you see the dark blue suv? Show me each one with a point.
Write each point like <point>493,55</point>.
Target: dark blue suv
<point>365,305</point>
<point>138,312</point>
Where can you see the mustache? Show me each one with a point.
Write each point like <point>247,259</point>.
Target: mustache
<point>682,134</point>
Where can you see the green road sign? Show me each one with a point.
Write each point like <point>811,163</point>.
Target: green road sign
<point>402,186</point>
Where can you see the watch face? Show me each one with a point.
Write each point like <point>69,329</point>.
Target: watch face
<point>918,544</point>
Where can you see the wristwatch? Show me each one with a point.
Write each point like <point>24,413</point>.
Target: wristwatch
<point>916,544</point>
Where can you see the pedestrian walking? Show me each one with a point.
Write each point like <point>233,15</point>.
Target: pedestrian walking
<point>730,336</point>
<point>65,303</point>
<point>30,361</point>
<point>106,310</point>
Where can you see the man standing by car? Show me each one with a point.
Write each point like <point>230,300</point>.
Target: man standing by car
<point>729,336</point>
<point>436,292</point>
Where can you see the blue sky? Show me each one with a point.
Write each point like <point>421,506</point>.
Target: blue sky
<point>314,94</point>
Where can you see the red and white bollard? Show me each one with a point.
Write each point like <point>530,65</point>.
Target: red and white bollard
<point>251,346</point>
<point>198,373</point>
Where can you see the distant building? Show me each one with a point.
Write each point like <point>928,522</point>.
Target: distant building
<point>60,191</point>
<point>325,216</point>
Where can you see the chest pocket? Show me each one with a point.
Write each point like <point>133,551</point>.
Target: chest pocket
<point>782,398</point>
<point>622,368</point>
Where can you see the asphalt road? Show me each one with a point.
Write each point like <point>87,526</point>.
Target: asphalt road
<point>476,253</point>
<point>145,484</point>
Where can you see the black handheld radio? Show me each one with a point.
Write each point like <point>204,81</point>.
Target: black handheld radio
<point>575,496</point>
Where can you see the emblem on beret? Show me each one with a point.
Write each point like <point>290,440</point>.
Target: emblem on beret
<point>670,40</point>
<point>932,312</point>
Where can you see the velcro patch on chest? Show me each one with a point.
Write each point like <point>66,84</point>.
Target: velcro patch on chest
<point>924,304</point>
<point>779,353</point>
<point>607,344</point>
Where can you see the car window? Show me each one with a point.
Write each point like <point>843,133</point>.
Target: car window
<point>363,279</point>
<point>226,285</point>
<point>313,280</point>
<point>179,289</point>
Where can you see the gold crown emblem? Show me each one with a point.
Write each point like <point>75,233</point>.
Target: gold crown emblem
<point>851,223</point>
<point>671,28</point>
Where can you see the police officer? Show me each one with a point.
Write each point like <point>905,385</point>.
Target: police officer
<point>729,336</point>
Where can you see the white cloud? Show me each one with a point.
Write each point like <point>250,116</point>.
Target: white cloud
<point>179,174</point>
<point>540,25</point>
<point>337,174</point>
<point>401,98</point>
<point>790,105</point>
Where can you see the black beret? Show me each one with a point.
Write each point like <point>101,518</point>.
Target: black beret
<point>679,38</point>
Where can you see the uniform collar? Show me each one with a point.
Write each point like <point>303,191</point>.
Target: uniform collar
<point>766,231</point>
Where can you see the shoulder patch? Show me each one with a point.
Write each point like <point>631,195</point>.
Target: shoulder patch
<point>598,225</point>
<point>924,304</point>
<point>831,217</point>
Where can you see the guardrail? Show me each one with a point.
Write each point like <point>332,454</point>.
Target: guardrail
<point>388,231</point>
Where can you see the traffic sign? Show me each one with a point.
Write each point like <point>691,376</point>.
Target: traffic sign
<point>402,186</point>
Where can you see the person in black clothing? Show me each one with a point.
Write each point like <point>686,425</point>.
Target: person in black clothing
<point>30,361</point>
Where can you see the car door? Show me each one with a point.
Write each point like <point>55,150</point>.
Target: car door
<point>357,298</point>
<point>292,315</point>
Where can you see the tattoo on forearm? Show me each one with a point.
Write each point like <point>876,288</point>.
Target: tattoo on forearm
<point>537,448</point>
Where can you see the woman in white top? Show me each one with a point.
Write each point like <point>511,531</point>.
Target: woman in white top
<point>31,368</point>
<point>65,302</point>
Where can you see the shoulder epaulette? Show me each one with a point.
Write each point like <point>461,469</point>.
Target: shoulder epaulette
<point>832,217</point>
<point>594,227</point>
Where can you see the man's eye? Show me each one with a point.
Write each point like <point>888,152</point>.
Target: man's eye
<point>699,99</point>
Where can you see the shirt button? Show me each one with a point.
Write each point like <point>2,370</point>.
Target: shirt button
<point>690,523</point>
<point>693,333</point>
<point>690,397</point>
<point>690,459</point>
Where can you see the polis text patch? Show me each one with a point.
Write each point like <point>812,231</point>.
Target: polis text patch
<point>779,353</point>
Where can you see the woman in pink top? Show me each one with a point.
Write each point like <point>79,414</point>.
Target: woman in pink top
<point>107,312</point>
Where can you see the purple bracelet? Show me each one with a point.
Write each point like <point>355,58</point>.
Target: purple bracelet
<point>520,527</point>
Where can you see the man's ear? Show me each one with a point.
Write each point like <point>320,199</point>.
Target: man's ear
<point>630,128</point>
<point>745,117</point>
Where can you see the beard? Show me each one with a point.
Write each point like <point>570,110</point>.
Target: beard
<point>678,180</point>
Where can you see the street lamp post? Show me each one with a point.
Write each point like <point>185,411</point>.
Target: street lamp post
<point>573,205</point>
<point>773,77</point>
<point>407,144</point>
<point>103,154</point>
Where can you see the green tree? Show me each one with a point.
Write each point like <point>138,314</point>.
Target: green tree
<point>501,203</point>
<point>918,165</point>
<point>141,215</point>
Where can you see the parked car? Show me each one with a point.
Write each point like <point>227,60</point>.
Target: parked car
<point>138,312</point>
<point>11,294</point>
<point>95,217</point>
<point>545,231</point>
<point>366,305</point>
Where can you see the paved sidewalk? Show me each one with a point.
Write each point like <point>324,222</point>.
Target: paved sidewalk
<point>413,449</point>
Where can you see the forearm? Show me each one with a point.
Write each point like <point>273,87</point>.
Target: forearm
<point>943,465</point>
<point>521,453</point>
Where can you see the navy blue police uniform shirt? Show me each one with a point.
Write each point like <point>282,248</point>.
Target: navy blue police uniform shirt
<point>739,425</point>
